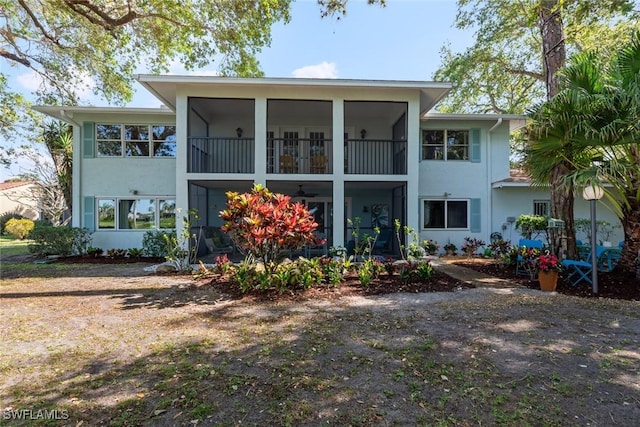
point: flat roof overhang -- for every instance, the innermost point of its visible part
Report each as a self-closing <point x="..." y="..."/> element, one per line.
<point x="164" y="87"/>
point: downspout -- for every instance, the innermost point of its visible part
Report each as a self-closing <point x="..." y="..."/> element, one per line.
<point x="489" y="174"/>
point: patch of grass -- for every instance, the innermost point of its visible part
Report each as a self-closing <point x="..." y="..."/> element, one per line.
<point x="10" y="247"/>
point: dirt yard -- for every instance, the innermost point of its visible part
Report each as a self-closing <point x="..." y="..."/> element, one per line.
<point x="114" y="345"/>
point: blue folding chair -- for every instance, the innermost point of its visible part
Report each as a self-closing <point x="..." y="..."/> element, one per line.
<point x="521" y="270"/>
<point x="580" y="271"/>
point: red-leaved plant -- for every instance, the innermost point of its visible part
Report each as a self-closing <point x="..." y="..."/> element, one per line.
<point x="263" y="224"/>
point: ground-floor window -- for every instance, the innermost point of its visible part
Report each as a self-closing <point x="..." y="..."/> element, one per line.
<point x="445" y="214"/>
<point x="136" y="214"/>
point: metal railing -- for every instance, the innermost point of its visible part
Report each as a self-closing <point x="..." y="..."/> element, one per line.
<point x="221" y="155"/>
<point x="375" y="157"/>
<point x="299" y="155"/>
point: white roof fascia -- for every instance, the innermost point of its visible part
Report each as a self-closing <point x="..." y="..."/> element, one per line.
<point x="516" y="121"/>
<point x="292" y="81"/>
<point x="148" y="81"/>
<point x="66" y="113"/>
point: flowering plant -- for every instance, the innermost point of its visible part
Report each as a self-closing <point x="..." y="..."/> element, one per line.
<point x="528" y="260"/>
<point x="549" y="262"/>
<point x="430" y="246"/>
<point x="471" y="245"/>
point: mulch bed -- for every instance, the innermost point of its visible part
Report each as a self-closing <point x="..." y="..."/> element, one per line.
<point x="615" y="284"/>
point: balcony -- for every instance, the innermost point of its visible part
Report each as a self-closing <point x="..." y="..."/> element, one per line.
<point x="299" y="155"/>
<point x="375" y="157"/>
<point x="221" y="155"/>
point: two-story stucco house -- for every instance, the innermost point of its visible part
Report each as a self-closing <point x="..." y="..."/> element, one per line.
<point x="346" y="148"/>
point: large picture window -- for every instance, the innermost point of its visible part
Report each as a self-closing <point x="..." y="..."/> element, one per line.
<point x="445" y="145"/>
<point x="136" y="214"/>
<point x="135" y="140"/>
<point x="445" y="214"/>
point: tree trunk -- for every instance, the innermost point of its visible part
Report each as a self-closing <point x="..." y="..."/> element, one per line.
<point x="562" y="201"/>
<point x="554" y="58"/>
<point x="631" y="227"/>
<point x="553" y="48"/>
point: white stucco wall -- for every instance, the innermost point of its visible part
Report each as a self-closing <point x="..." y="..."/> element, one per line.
<point x="514" y="201"/>
<point x="120" y="177"/>
<point x="464" y="180"/>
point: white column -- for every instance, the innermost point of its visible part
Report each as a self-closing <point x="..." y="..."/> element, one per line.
<point x="182" y="184"/>
<point x="260" y="126"/>
<point x="413" y="163"/>
<point x="338" y="173"/>
<point x="76" y="170"/>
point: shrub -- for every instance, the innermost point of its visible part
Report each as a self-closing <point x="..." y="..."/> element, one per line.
<point x="471" y="245"/>
<point x="423" y="271"/>
<point x="116" y="253"/>
<point x="264" y="224"/>
<point x="19" y="228"/>
<point x="50" y="240"/>
<point x="332" y="269"/>
<point x="134" y="252"/>
<point x="5" y="217"/>
<point x="499" y="248"/>
<point x="154" y="243"/>
<point x="531" y="226"/>
<point x="95" y="252"/>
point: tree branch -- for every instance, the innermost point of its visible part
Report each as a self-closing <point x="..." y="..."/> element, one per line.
<point x="90" y="11"/>
<point x="533" y="74"/>
<point x="37" y="23"/>
<point x="14" y="57"/>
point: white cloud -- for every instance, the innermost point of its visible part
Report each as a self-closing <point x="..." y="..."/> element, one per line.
<point x="323" y="70"/>
<point x="30" y="81"/>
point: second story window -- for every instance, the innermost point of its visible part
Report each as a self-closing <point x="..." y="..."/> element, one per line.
<point x="445" y="145"/>
<point x="130" y="140"/>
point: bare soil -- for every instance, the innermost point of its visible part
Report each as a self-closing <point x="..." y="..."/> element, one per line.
<point x="115" y="345"/>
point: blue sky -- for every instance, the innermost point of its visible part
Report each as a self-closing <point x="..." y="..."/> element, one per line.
<point x="398" y="42"/>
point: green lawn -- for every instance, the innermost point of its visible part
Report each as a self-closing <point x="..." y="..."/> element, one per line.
<point x="11" y="247"/>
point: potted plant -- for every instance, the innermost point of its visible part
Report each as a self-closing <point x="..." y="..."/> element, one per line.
<point x="548" y="268"/>
<point x="450" y="249"/>
<point x="430" y="246"/>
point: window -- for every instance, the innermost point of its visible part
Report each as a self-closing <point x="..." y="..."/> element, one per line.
<point x="135" y="140"/>
<point x="164" y="141"/>
<point x="445" y="214"/>
<point x="106" y="214"/>
<point x="541" y="207"/>
<point x="445" y="145"/>
<point x="136" y="214"/>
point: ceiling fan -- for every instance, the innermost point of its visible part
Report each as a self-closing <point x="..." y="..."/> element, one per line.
<point x="302" y="193"/>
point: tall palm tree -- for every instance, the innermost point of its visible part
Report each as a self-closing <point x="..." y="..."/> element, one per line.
<point x="557" y="133"/>
<point x="592" y="128"/>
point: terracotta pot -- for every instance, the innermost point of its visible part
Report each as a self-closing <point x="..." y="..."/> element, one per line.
<point x="548" y="280"/>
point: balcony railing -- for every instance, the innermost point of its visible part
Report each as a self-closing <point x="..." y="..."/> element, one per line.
<point x="296" y="156"/>
<point x="299" y="155"/>
<point x="375" y="157"/>
<point x="221" y="155"/>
